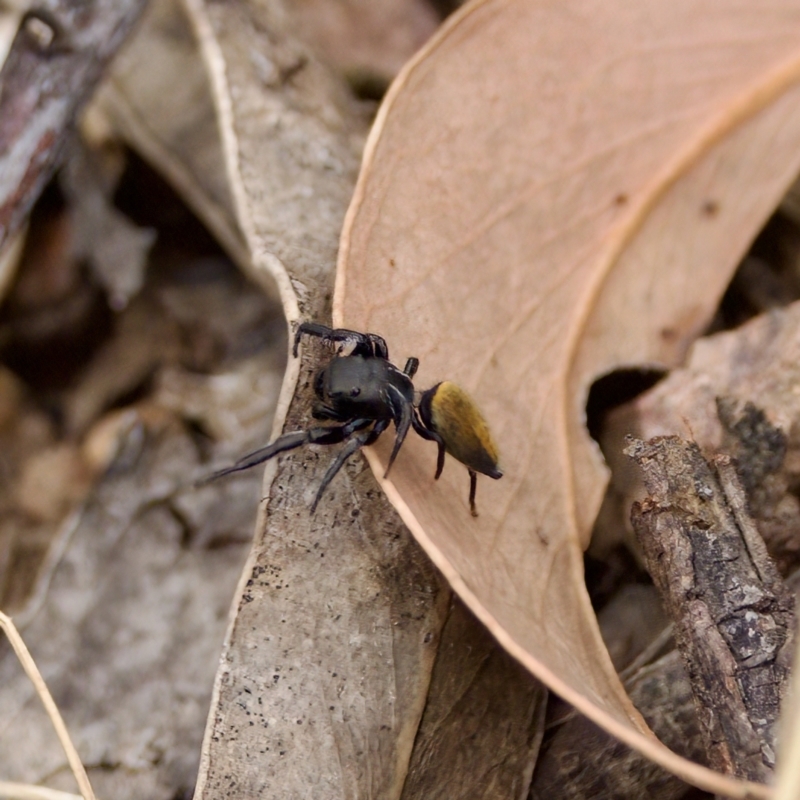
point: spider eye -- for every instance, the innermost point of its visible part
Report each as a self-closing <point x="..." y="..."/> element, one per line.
<point x="355" y="392"/>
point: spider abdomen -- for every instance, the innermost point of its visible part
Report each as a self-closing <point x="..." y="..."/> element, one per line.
<point x="450" y="412"/>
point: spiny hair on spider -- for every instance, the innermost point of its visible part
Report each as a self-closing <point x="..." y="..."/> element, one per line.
<point x="362" y="391"/>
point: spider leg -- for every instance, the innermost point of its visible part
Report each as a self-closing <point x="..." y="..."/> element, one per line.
<point x="377" y="344"/>
<point x="403" y="418"/>
<point x="439" y="460"/>
<point x="354" y="444"/>
<point x="473" y="485"/>
<point x="290" y="441"/>
<point x="411" y="367"/>
<point x="351" y="342"/>
<point x="431" y="436"/>
<point x="311" y="329"/>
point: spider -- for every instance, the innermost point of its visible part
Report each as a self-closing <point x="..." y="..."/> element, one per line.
<point x="362" y="390"/>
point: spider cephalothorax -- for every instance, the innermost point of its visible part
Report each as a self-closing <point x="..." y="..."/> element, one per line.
<point x="363" y="391"/>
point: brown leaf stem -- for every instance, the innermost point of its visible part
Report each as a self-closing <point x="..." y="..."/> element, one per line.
<point x="56" y="60"/>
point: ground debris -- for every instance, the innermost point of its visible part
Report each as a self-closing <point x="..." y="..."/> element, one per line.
<point x="733" y="617"/>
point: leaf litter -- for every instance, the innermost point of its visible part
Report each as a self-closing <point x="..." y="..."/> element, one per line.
<point x="118" y="573"/>
<point x="630" y="190"/>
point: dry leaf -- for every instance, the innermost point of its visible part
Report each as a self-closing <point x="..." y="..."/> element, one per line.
<point x="552" y="191"/>
<point x="328" y="658"/>
<point x="115" y="248"/>
<point x="337" y="624"/>
<point x="171" y="123"/>
<point x="130" y="610"/>
<point x="365" y="36"/>
<point x="480" y="702"/>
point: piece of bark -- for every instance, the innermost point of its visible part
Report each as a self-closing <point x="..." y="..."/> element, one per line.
<point x="483" y="722"/>
<point x="707" y="401"/>
<point x="54" y="64"/>
<point x="579" y="760"/>
<point x="732" y="615"/>
<point x="766" y="460"/>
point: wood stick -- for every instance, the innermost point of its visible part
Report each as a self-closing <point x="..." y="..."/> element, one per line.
<point x="55" y="62"/>
<point x="733" y="616"/>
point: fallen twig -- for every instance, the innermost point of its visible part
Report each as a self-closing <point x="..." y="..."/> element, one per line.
<point x="54" y="64"/>
<point x="732" y="614"/>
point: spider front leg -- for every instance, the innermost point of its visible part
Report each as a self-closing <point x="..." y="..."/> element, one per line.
<point x="351" y="343"/>
<point x="354" y="444"/>
<point x="290" y="441"/>
<point x="403" y="414"/>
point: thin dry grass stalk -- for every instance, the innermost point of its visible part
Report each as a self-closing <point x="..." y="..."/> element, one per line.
<point x="26" y="791"/>
<point x="32" y="671"/>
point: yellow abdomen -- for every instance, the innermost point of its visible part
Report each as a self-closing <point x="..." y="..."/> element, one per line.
<point x="466" y="436"/>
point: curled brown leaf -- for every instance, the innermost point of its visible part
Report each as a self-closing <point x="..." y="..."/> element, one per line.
<point x="553" y="191"/>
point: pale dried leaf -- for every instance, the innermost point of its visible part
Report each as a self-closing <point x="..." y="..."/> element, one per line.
<point x="366" y="36"/>
<point x="483" y="724"/>
<point x="552" y="191"/>
<point x="328" y="657"/>
<point x="171" y="123"/>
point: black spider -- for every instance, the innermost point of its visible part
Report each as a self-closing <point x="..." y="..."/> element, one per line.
<point x="361" y="389"/>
